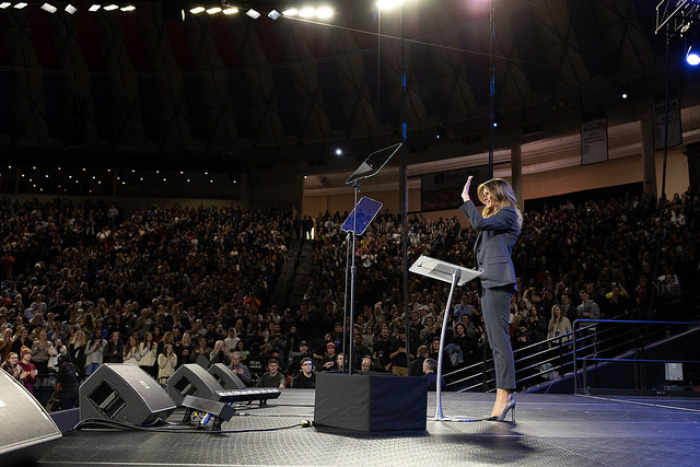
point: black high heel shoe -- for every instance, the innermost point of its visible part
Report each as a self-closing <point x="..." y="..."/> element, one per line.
<point x="499" y="418"/>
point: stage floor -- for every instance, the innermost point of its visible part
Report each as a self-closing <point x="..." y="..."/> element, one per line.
<point x="548" y="430"/>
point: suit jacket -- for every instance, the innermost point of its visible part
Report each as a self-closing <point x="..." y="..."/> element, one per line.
<point x="494" y="244"/>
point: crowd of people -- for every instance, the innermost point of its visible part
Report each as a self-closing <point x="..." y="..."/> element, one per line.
<point x="166" y="286"/>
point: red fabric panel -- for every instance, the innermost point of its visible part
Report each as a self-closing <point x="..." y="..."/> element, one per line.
<point x="131" y="27"/>
<point x="41" y="37"/>
<point x="87" y="38"/>
<point x="268" y="41"/>
<point x="317" y="40"/>
<point x="177" y="38"/>
<point x="220" y="27"/>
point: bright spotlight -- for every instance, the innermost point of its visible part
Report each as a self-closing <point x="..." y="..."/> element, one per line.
<point x="49" y="7"/>
<point x="291" y="12"/>
<point x="70" y="9"/>
<point x="128" y="8"/>
<point x="387" y="5"/>
<point x="273" y="15"/>
<point x="252" y="14"/>
<point x="307" y="12"/>
<point x="324" y="12"/>
<point x="94" y="7"/>
<point x="5" y="5"/>
<point x="196" y="10"/>
<point x="624" y="95"/>
<point x="20" y="5"/>
<point x="214" y="10"/>
<point x="692" y="56"/>
<point x="111" y="7"/>
<point x="230" y="10"/>
<point x="338" y="152"/>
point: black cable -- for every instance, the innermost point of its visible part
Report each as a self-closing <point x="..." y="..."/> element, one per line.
<point x="125" y="426"/>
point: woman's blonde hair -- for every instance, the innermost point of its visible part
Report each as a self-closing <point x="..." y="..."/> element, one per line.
<point x="501" y="195"/>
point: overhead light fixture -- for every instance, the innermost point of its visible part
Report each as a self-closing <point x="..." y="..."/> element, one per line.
<point x="324" y="12"/>
<point x="386" y="5"/>
<point x="70" y="9"/>
<point x="692" y="56"/>
<point x="49" y="7"/>
<point x="196" y="10"/>
<point x="128" y="8"/>
<point x="111" y="7"/>
<point x="214" y="10"/>
<point x="94" y="7"/>
<point x="253" y="14"/>
<point x="5" y="5"/>
<point x="273" y="15"/>
<point x="20" y="5"/>
<point x="230" y="10"/>
<point x="307" y="12"/>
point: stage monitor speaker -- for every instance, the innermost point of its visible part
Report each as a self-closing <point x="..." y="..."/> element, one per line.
<point x="192" y="380"/>
<point x="226" y="377"/>
<point x="124" y="392"/>
<point x="371" y="403"/>
<point x="27" y="429"/>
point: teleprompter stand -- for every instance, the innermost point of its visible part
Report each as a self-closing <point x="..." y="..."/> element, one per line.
<point x="456" y="276"/>
<point x="359" y="220"/>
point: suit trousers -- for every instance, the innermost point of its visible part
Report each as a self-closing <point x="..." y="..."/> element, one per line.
<point x="495" y="304"/>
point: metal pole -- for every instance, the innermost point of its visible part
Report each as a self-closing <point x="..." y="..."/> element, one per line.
<point x="345" y="299"/>
<point x="404" y="192"/>
<point x="353" y="270"/>
<point x="438" y="386"/>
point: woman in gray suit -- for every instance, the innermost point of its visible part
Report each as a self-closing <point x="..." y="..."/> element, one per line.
<point x="498" y="225"/>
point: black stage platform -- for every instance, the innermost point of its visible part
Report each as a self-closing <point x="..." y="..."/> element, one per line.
<point x="549" y="430"/>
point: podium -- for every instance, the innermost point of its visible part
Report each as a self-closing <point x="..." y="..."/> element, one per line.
<point x="456" y="276"/>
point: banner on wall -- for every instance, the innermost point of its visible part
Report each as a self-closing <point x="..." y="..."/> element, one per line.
<point x="594" y="141"/>
<point x="443" y="190"/>
<point x="675" y="135"/>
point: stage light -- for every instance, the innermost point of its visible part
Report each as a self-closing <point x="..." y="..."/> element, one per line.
<point x="70" y="9"/>
<point x="128" y="8"/>
<point x="94" y="7"/>
<point x="110" y="7"/>
<point x="692" y="56"/>
<point x="273" y="15"/>
<point x="253" y="14"/>
<point x="307" y="12"/>
<point x="324" y="12"/>
<point x="20" y="5"/>
<point x="230" y="10"/>
<point x="196" y="10"/>
<point x="5" y="5"/>
<point x="338" y="152"/>
<point x="624" y="95"/>
<point x="49" y="7"/>
<point x="291" y="12"/>
<point x="388" y="5"/>
<point x="214" y="10"/>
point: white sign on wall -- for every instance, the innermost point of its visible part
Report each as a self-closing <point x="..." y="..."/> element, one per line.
<point x="594" y="141"/>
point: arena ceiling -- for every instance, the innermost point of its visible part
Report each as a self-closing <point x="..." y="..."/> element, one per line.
<point x="156" y="88"/>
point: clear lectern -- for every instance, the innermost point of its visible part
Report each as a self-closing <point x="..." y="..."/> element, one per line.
<point x="457" y="276"/>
